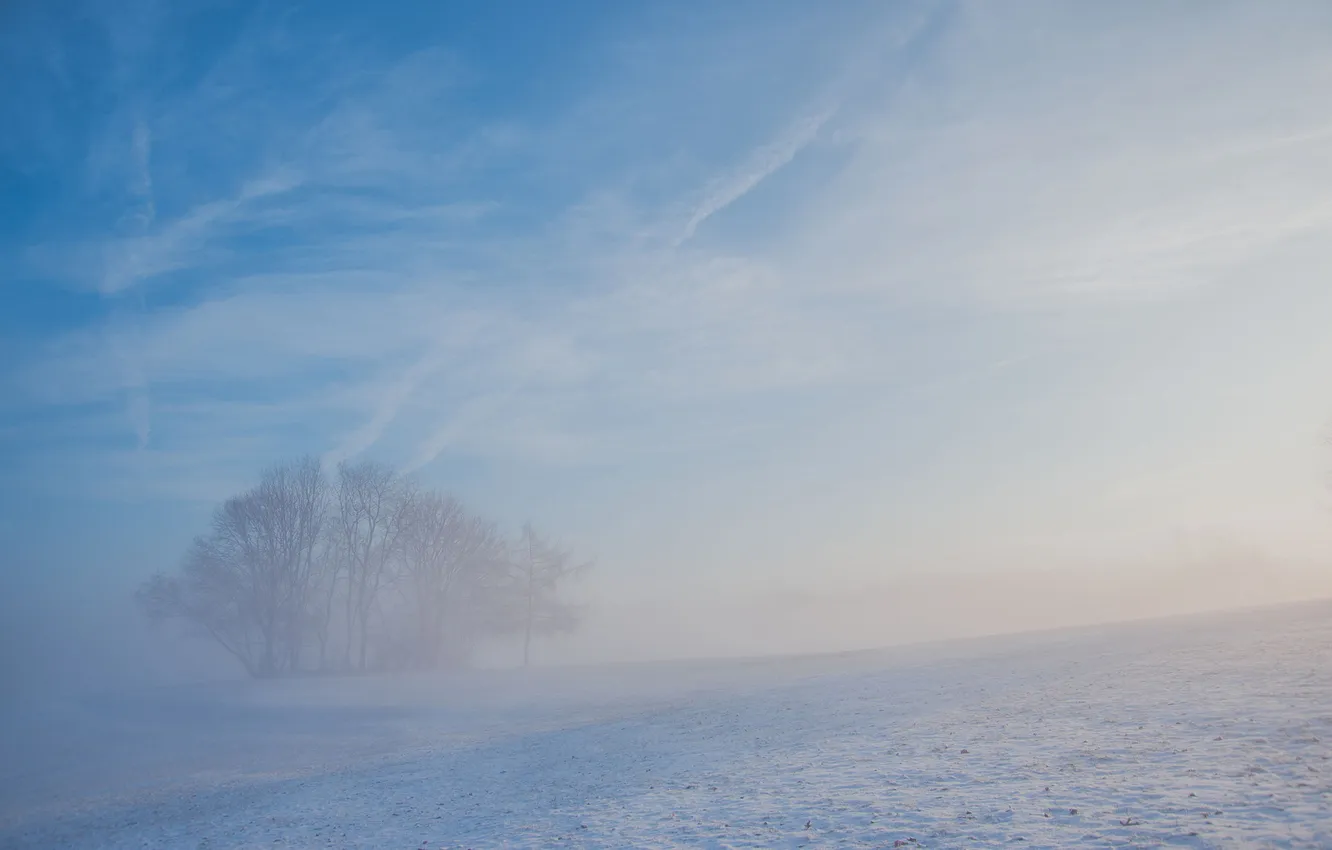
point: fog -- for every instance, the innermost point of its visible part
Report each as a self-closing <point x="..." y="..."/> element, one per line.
<point x="977" y="323"/>
<point x="63" y="643"/>
<point x="477" y="363"/>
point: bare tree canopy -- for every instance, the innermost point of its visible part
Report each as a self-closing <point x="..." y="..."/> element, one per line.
<point x="248" y="581"/>
<point x="393" y="575"/>
<point x="450" y="559"/>
<point x="372" y="506"/>
<point x="540" y="569"/>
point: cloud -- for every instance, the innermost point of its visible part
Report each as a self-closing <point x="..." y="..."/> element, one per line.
<point x="185" y="242"/>
<point x="1017" y="168"/>
<point x="393" y="395"/>
<point x="764" y="162"/>
<point x="392" y="260"/>
<point x="141" y="186"/>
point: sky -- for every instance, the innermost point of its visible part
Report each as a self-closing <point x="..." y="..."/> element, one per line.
<point x="743" y="300"/>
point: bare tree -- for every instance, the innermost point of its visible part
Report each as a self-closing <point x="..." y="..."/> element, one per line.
<point x="372" y="504"/>
<point x="447" y="556"/>
<point x="238" y="545"/>
<point x="329" y="576"/>
<point x="248" y="582"/>
<point x="281" y="558"/>
<point x="210" y="594"/>
<point x="291" y="506"/>
<point x="540" y="568"/>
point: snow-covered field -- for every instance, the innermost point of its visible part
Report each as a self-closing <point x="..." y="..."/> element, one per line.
<point x="1208" y="732"/>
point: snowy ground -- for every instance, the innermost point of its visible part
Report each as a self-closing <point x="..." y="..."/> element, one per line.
<point x="1209" y="732"/>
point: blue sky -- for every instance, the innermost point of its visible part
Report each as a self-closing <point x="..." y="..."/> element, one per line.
<point x="794" y="293"/>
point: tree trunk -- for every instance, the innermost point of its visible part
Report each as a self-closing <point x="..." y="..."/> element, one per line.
<point x="351" y="630"/>
<point x="365" y="617"/>
<point x="531" y="577"/>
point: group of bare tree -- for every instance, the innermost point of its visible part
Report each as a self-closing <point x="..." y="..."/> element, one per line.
<point x="364" y="571"/>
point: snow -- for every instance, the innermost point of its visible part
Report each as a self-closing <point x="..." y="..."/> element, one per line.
<point x="1207" y="732"/>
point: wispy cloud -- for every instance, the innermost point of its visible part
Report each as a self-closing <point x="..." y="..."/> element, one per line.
<point x="764" y="162"/>
<point x="410" y="252"/>
<point x="392" y="396"/>
<point x="141" y="186"/>
<point x="185" y="242"/>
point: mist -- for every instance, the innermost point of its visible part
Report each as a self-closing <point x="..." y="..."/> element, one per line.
<point x="474" y="391"/>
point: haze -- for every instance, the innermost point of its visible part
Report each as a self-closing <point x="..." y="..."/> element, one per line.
<point x="817" y="327"/>
<point x="925" y="385"/>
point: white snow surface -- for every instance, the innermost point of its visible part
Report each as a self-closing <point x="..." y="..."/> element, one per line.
<point x="1206" y="732"/>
